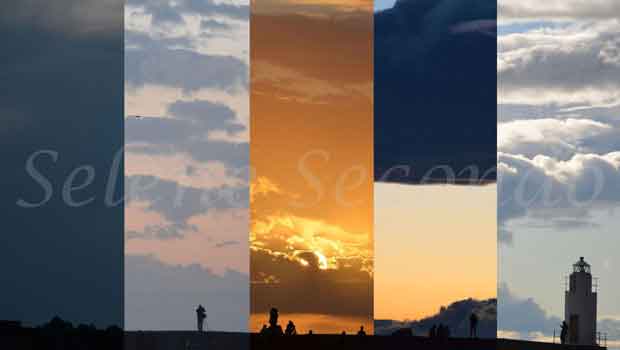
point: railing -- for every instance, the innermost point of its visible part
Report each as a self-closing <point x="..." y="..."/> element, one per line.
<point x="601" y="339"/>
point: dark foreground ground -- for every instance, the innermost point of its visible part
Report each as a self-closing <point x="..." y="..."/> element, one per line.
<point x="36" y="339"/>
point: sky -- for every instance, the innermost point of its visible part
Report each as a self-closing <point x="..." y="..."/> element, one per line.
<point x="186" y="164"/>
<point x="435" y="244"/>
<point x="558" y="66"/>
<point x="311" y="155"/>
<point x="383" y="4"/>
<point x="62" y="95"/>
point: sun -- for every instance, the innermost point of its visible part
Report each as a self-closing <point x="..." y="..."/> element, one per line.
<point x="323" y="265"/>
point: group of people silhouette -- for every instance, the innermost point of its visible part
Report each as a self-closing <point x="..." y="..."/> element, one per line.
<point x="440" y="331"/>
<point x="473" y="325"/>
<point x="274" y="329"/>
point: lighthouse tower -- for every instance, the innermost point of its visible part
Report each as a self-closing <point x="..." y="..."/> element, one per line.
<point x="580" y="306"/>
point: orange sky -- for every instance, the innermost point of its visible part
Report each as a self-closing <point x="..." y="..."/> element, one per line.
<point x="311" y="151"/>
<point x="434" y="245"/>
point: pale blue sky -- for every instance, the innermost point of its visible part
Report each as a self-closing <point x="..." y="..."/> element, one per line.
<point x="383" y="4"/>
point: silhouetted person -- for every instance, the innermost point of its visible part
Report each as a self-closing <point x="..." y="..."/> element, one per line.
<point x="263" y="330"/>
<point x="433" y="332"/>
<point x="290" y="328"/>
<point x="201" y="314"/>
<point x="361" y="332"/>
<point x="274" y="327"/>
<point x="443" y="332"/>
<point x="473" y="325"/>
<point x="343" y="333"/>
<point x="310" y="332"/>
<point x="563" y="332"/>
<point x="273" y="316"/>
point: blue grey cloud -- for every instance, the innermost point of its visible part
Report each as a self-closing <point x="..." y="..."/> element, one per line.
<point x="159" y="296"/>
<point x="183" y="69"/>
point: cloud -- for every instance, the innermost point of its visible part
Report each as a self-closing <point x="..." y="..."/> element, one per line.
<point x="167" y="10"/>
<point x="178" y="203"/>
<point x="183" y="69"/>
<point x="573" y="64"/>
<point x="557" y="10"/>
<point x="292" y="254"/>
<point x="154" y="289"/>
<point x="212" y="24"/>
<point x="560" y="139"/>
<point x="445" y="122"/>
<point x="69" y="17"/>
<point x="548" y="188"/>
<point x="331" y="244"/>
<point x="558" y="133"/>
<point x="524" y="318"/>
<point x="156" y="231"/>
<point x="63" y="72"/>
<point x="226" y="244"/>
<point x="187" y="130"/>
<point x="523" y="315"/>
<point x="293" y="287"/>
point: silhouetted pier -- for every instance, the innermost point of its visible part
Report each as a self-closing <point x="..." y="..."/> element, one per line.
<point x="35" y="339"/>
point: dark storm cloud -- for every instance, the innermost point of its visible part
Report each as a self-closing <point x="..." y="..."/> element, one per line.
<point x="64" y="92"/>
<point x="435" y="88"/>
<point x="163" y="297"/>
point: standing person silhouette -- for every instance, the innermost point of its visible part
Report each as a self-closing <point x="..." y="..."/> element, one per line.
<point x="473" y="325"/>
<point x="361" y="332"/>
<point x="563" y="332"/>
<point x="201" y="315"/>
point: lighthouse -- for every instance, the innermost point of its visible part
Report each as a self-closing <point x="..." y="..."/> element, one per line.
<point x="580" y="306"/>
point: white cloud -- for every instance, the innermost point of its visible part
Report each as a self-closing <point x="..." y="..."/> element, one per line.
<point x="574" y="64"/>
<point x="550" y="188"/>
<point x="556" y="138"/>
<point x="557" y="9"/>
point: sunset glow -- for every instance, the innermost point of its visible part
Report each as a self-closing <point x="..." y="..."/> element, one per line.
<point x="311" y="149"/>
